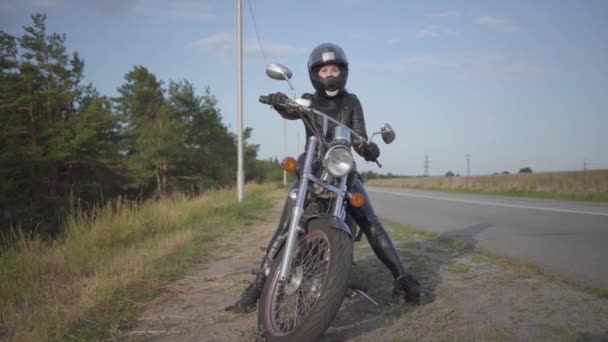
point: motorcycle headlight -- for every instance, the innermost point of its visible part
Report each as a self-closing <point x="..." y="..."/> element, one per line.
<point x="338" y="160"/>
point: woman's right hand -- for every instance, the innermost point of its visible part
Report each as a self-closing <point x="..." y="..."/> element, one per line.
<point x="277" y="99"/>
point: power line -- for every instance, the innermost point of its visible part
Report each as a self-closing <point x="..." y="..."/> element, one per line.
<point x="255" y="27"/>
<point x="259" y="40"/>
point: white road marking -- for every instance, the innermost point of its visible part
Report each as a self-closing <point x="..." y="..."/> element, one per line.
<point x="490" y="204"/>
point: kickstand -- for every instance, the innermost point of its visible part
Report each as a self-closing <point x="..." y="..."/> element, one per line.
<point x="362" y="292"/>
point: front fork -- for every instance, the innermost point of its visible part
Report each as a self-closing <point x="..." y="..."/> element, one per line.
<point x="297" y="211"/>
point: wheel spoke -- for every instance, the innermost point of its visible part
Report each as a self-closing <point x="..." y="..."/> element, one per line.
<point x="312" y="258"/>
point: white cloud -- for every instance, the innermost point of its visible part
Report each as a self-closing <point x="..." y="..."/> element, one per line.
<point x="158" y="10"/>
<point x="422" y="62"/>
<point x="520" y="69"/>
<point x="48" y="3"/>
<point x="495" y="23"/>
<point x="251" y="48"/>
<point x="433" y="31"/>
<point x="108" y="6"/>
<point x="225" y="44"/>
<point x="426" y="33"/>
<point x="466" y="64"/>
<point x="221" y="43"/>
<point x="393" y="40"/>
<point x="180" y="10"/>
<point x="491" y="65"/>
<point x="362" y="36"/>
<point x="446" y="14"/>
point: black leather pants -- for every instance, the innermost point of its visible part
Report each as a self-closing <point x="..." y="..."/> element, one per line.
<point x="366" y="219"/>
<point x="378" y="238"/>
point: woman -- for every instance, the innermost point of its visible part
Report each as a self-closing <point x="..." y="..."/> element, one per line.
<point x="328" y="71"/>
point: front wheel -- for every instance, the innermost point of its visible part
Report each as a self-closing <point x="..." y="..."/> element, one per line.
<point x="303" y="308"/>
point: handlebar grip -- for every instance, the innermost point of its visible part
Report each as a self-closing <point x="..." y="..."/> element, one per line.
<point x="265" y="99"/>
<point x="379" y="165"/>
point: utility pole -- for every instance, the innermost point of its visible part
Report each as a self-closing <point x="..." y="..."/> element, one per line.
<point x="240" y="174"/>
<point x="584" y="165"/>
<point x="426" y="164"/>
<point x="298" y="142"/>
<point x="468" y="156"/>
<point x="284" y="149"/>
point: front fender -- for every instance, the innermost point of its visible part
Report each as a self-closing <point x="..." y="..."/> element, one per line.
<point x="324" y="220"/>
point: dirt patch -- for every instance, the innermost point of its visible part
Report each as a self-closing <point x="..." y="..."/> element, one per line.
<point x="477" y="297"/>
<point x="193" y="308"/>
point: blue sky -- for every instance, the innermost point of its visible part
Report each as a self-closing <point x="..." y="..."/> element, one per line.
<point x="512" y="83"/>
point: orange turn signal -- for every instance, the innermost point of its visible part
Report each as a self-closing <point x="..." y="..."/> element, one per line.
<point x="289" y="164"/>
<point x="357" y="199"/>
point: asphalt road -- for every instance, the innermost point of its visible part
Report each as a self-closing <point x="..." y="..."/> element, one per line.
<point x="563" y="237"/>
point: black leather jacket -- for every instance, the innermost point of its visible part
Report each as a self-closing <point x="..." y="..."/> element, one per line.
<point x="345" y="108"/>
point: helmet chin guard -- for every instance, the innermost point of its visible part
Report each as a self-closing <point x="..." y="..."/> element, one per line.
<point x="331" y="93"/>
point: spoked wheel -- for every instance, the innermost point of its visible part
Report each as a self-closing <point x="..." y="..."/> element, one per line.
<point x="303" y="308"/>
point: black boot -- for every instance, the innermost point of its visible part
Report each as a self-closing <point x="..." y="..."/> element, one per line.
<point x="409" y="288"/>
<point x="250" y="296"/>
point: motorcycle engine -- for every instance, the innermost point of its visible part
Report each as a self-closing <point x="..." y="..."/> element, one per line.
<point x="316" y="207"/>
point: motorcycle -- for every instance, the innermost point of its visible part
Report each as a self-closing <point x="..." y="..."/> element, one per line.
<point x="310" y="273"/>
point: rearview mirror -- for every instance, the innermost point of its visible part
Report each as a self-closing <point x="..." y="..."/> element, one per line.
<point x="388" y="133"/>
<point x="278" y="72"/>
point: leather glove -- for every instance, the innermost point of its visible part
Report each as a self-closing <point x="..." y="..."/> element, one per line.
<point x="278" y="99"/>
<point x="371" y="152"/>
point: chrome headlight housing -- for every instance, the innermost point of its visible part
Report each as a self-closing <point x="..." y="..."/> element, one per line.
<point x="338" y="160"/>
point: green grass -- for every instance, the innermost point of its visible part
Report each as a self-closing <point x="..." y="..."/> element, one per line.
<point x="594" y="291"/>
<point x="457" y="268"/>
<point x="87" y="284"/>
<point x="559" y="333"/>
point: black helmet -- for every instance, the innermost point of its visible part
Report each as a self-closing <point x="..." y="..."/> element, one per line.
<point x="328" y="53"/>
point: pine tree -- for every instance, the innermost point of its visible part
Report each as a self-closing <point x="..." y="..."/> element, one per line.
<point x="62" y="140"/>
<point x="50" y="143"/>
<point x="209" y="149"/>
<point x="14" y="169"/>
<point x="153" y="135"/>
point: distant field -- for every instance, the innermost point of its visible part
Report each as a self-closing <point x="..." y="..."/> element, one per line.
<point x="589" y="185"/>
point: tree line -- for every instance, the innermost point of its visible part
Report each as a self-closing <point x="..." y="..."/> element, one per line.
<point x="63" y="144"/>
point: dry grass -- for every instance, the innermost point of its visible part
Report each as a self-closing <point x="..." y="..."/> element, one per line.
<point x="47" y="289"/>
<point x="578" y="185"/>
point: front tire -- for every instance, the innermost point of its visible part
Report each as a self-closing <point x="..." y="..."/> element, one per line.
<point x="303" y="308"/>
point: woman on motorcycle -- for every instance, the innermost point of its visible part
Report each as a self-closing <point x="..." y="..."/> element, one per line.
<point x="328" y="71"/>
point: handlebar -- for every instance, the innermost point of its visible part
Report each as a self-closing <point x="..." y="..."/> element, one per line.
<point x="266" y="100"/>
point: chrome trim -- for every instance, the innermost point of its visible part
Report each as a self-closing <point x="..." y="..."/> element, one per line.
<point x="339" y="211"/>
<point x="298" y="210"/>
<point x="293" y="194"/>
<point x="327" y="186"/>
